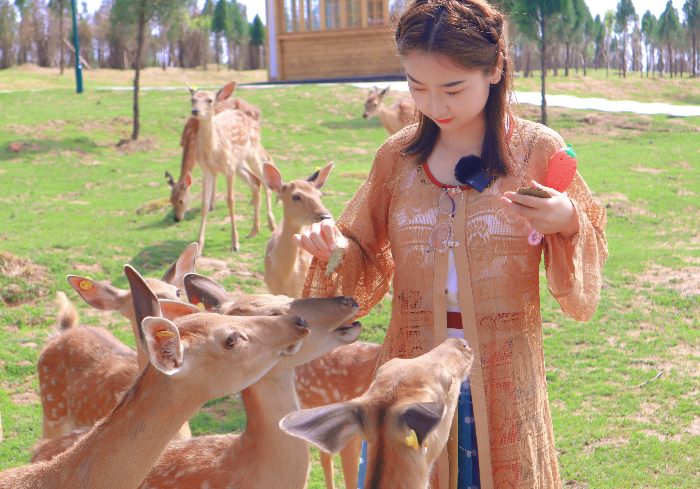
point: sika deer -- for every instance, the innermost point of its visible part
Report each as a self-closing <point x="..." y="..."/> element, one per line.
<point x="106" y="297"/>
<point x="286" y="265"/>
<point x="405" y="417"/>
<point x="180" y="190"/>
<point x="194" y="359"/>
<point x="262" y="456"/>
<point x="394" y="118"/>
<point x="228" y="143"/>
<point x="340" y="375"/>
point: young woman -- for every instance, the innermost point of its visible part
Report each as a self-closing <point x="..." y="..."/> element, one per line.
<point x="457" y="254"/>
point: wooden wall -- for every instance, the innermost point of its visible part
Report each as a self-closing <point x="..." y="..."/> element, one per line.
<point x="335" y="53"/>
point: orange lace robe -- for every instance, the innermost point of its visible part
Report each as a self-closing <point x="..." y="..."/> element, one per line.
<point x="387" y="224"/>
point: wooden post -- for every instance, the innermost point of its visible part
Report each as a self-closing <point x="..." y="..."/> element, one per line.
<point x="343" y="14"/>
<point x="322" y="11"/>
<point x="385" y="12"/>
<point x="363" y="12"/>
<point x="302" y="16"/>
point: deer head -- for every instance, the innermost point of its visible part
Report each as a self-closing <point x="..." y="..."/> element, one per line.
<point x="374" y="100"/>
<point x="301" y="199"/>
<point x="179" y="194"/>
<point x="203" y="101"/>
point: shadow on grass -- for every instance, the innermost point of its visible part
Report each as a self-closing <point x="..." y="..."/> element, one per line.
<point x="80" y="145"/>
<point x="158" y="256"/>
<point x="357" y="123"/>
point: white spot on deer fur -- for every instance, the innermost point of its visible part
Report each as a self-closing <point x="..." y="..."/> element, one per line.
<point x="54" y="381"/>
<point x="336" y="394"/>
<point x="62" y="405"/>
<point x="54" y="413"/>
<point x="46" y="369"/>
<point x="359" y="389"/>
<point x="49" y="397"/>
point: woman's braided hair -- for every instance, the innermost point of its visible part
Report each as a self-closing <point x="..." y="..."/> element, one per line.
<point x="471" y="34"/>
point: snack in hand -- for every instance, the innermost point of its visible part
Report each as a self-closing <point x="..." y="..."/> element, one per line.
<point x="334" y="260"/>
<point x="534" y="192"/>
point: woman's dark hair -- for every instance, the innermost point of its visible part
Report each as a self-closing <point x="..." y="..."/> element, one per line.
<point x="471" y="34"/>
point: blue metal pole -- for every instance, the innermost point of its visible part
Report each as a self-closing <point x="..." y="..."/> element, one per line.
<point x="76" y="44"/>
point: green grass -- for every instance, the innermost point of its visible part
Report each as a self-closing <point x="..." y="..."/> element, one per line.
<point x="69" y="204"/>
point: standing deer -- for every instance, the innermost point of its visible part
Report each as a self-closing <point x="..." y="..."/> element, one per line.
<point x="180" y="190"/>
<point x="405" y="417"/>
<point x="228" y="143"/>
<point x="286" y="264"/>
<point x="193" y="359"/>
<point x="340" y="375"/>
<point x="394" y="118"/>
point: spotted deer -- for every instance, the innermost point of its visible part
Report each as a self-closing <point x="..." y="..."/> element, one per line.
<point x="405" y="417"/>
<point x="339" y="375"/>
<point x="106" y="297"/>
<point x="180" y="189"/>
<point x="228" y="143"/>
<point x="286" y="264"/>
<point x="394" y="118"/>
<point x="192" y="360"/>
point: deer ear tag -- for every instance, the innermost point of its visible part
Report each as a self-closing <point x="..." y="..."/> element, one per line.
<point x="200" y="305"/>
<point x="86" y="284"/>
<point x="412" y="440"/>
<point x="165" y="334"/>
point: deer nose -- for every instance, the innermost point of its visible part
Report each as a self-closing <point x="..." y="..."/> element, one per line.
<point x="195" y="111"/>
<point x="348" y="301"/>
<point x="302" y="322"/>
<point x="364" y="116"/>
<point x="324" y="216"/>
<point x="177" y="219"/>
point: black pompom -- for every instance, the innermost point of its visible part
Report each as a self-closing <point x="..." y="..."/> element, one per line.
<point x="467" y="167"/>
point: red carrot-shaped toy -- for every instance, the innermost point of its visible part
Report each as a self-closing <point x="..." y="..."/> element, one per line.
<point x="560" y="173"/>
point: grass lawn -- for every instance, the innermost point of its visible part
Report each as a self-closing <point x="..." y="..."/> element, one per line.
<point x="71" y="202"/>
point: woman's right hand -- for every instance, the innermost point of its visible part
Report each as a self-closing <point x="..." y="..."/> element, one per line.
<point x="321" y="239"/>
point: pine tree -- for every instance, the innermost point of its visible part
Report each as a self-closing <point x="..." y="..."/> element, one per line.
<point x="623" y="17"/>
<point x="649" y="26"/>
<point x="219" y="26"/>
<point x="669" y="28"/>
<point x="691" y="9"/>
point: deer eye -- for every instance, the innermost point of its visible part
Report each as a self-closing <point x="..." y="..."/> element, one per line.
<point x="231" y="340"/>
<point x="208" y="100"/>
<point x="296" y="197"/>
<point x="177" y="293"/>
<point x="181" y="201"/>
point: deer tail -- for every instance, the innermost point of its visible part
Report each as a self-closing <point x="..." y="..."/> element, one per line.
<point x="67" y="313"/>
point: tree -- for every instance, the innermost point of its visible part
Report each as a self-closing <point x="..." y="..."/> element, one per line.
<point x="649" y="26"/>
<point x="59" y="7"/>
<point x="534" y="18"/>
<point x="219" y="26"/>
<point x="139" y="13"/>
<point x="669" y="28"/>
<point x="589" y="33"/>
<point x="624" y="16"/>
<point x="608" y="23"/>
<point x="599" y="40"/>
<point x="238" y="31"/>
<point x="257" y="39"/>
<point x="691" y="9"/>
<point x="8" y="26"/>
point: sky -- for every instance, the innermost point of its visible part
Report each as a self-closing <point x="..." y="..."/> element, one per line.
<point x="596" y="7"/>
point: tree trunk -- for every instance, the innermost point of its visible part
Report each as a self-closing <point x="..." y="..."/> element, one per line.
<point x="567" y="59"/>
<point x="583" y="55"/>
<point x="543" y="57"/>
<point x="60" y="33"/>
<point x="624" y="55"/>
<point x="139" y="48"/>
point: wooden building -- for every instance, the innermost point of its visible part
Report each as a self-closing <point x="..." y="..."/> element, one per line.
<point x="321" y="39"/>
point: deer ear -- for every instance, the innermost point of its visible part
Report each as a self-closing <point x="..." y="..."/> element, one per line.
<point x="163" y="345"/>
<point x="422" y="417"/>
<point x="145" y="301"/>
<point x="225" y="92"/>
<point x="188" y="179"/>
<point x="203" y="290"/>
<point x="182" y="266"/>
<point x="329" y="427"/>
<point x="175" y="309"/>
<point x="169" y="179"/>
<point x="272" y="178"/>
<point x="323" y="174"/>
<point x="99" y="295"/>
<point x="385" y="91"/>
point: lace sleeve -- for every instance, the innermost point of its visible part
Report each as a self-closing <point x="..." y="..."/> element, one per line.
<point x="368" y="266"/>
<point x="574" y="267"/>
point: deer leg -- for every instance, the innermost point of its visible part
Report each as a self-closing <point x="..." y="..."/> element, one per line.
<point x="270" y="217"/>
<point x="254" y="183"/>
<point x="207" y="188"/>
<point x="327" y="465"/>
<point x="231" y="201"/>
<point x="213" y="194"/>
<point x="350" y="461"/>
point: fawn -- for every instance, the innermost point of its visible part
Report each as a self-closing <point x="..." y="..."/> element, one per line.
<point x="286" y="264"/>
<point x="228" y="143"/>
<point x="405" y="417"/>
<point x="394" y="118"/>
<point x="193" y="359"/>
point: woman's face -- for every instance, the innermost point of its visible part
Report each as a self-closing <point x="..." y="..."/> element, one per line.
<point x="452" y="96"/>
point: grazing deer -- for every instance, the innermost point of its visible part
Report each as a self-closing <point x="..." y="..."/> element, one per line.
<point x="106" y="297"/>
<point x="193" y="359"/>
<point x="286" y="264"/>
<point x="228" y="143"/>
<point x="84" y="371"/>
<point x="340" y="375"/>
<point x="394" y="118"/>
<point x="180" y="190"/>
<point x="405" y="417"/>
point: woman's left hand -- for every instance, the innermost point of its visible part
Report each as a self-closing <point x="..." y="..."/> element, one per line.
<point x="547" y="216"/>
